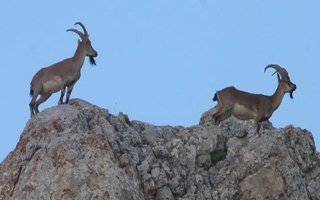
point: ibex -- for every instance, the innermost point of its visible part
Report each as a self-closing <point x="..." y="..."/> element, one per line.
<point x="245" y="106"/>
<point x="62" y="75"/>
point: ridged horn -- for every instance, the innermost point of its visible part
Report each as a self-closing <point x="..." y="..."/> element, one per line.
<point x="280" y="70"/>
<point x="82" y="36"/>
<point x="84" y="28"/>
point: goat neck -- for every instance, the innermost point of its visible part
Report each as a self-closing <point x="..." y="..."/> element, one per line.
<point x="79" y="55"/>
<point x="277" y="97"/>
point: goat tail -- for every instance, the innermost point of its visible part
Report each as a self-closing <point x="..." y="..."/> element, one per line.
<point x="31" y="92"/>
<point x="215" y="98"/>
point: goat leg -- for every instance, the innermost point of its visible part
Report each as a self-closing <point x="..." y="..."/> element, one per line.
<point x="62" y="95"/>
<point x="70" y="88"/>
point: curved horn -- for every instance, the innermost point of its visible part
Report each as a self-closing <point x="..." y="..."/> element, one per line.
<point x="282" y="71"/>
<point x="78" y="32"/>
<point x="82" y="26"/>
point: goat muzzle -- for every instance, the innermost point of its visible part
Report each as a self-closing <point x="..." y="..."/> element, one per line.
<point x="294" y="87"/>
<point x="92" y="60"/>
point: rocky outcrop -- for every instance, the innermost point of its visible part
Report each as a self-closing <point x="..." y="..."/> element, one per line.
<point x="81" y="151"/>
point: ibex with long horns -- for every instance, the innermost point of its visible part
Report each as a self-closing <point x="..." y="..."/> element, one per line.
<point x="62" y="75"/>
<point x="245" y="106"/>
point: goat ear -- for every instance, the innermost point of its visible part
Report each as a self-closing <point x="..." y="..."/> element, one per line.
<point x="278" y="77"/>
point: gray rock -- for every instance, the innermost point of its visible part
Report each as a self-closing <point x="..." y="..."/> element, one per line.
<point x="164" y="194"/>
<point x="81" y="151"/>
<point x="144" y="167"/>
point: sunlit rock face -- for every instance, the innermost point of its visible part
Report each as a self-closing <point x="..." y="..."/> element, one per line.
<point x="81" y="151"/>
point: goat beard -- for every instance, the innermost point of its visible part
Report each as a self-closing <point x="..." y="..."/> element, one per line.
<point x="291" y="94"/>
<point x="92" y="60"/>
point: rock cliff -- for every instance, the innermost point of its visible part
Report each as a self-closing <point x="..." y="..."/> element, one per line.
<point x="81" y="151"/>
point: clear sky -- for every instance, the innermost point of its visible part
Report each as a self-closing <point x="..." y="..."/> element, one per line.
<point x="161" y="61"/>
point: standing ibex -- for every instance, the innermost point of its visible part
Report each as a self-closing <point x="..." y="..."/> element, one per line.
<point x="62" y="75"/>
<point x="245" y="106"/>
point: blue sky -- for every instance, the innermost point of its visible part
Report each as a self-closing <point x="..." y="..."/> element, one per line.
<point x="162" y="61"/>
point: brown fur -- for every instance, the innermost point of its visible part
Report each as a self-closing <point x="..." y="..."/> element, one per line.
<point x="245" y="106"/>
<point x="61" y="76"/>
